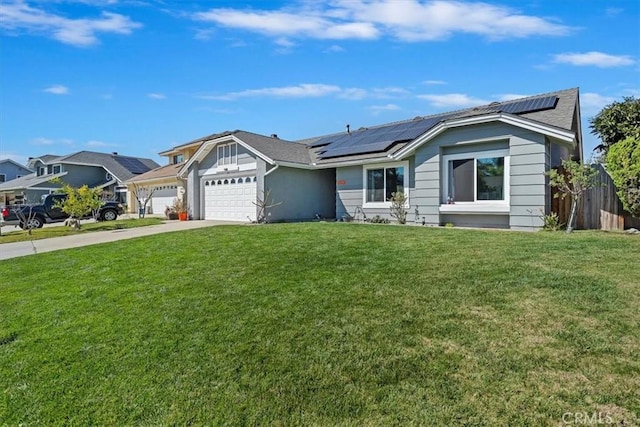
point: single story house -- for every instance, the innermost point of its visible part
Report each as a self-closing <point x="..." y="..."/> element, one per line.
<point x="479" y="167"/>
<point x="104" y="170"/>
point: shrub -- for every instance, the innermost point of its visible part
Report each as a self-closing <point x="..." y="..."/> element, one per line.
<point x="552" y="222"/>
<point x="398" y="209"/>
<point x="379" y="220"/>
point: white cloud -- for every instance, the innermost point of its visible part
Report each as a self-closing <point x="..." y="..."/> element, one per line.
<point x="98" y="144"/>
<point x="353" y="93"/>
<point x="510" y="96"/>
<point x="434" y="82"/>
<point x="48" y="141"/>
<point x="14" y="156"/>
<point x="306" y="90"/>
<point x="377" y="109"/>
<point x="596" y="59"/>
<point x="157" y="96"/>
<point x="57" y="90"/>
<point x="591" y="103"/>
<point x="17" y="17"/>
<point x="282" y="24"/>
<point x="334" y="49"/>
<point x="613" y="11"/>
<point x="453" y="100"/>
<point x="408" y="20"/>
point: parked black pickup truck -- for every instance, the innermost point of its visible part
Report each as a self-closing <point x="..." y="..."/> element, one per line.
<point x="48" y="211"/>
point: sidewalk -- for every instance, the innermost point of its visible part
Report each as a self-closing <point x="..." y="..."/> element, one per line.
<point x="18" y="249"/>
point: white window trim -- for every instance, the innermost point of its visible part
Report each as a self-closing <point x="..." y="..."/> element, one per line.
<point x="226" y="152"/>
<point x="405" y="183"/>
<point x="478" y="206"/>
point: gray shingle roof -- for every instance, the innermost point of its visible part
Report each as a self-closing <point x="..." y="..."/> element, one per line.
<point x="276" y="149"/>
<point x="108" y="161"/>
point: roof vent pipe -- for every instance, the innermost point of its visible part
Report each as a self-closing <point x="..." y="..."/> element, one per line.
<point x="274" y="135"/>
<point x="115" y="153"/>
<point x="348" y="129"/>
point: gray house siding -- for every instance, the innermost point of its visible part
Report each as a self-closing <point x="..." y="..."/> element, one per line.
<point x="78" y="175"/>
<point x="529" y="160"/>
<point x="302" y="193"/>
<point x="12" y="171"/>
<point x="350" y="193"/>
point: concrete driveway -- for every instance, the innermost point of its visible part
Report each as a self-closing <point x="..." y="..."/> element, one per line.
<point x="18" y="249"/>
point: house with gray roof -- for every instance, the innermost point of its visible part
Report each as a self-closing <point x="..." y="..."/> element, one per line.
<point x="103" y="170"/>
<point x="10" y="169"/>
<point x="478" y="167"/>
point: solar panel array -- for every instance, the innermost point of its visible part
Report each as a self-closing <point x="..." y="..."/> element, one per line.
<point x="529" y="105"/>
<point x="375" y="139"/>
<point x="133" y="165"/>
<point x="380" y="138"/>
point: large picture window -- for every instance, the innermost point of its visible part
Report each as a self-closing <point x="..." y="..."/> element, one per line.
<point x="476" y="177"/>
<point x="227" y="154"/>
<point x="382" y="181"/>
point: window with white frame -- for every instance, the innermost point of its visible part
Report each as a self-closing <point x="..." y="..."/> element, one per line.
<point x="481" y="177"/>
<point x="3" y="177"/>
<point x="177" y="158"/>
<point x="381" y="181"/>
<point x="227" y="154"/>
<point x="42" y="170"/>
<point x="57" y="168"/>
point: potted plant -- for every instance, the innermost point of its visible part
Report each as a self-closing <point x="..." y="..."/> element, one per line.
<point x="180" y="206"/>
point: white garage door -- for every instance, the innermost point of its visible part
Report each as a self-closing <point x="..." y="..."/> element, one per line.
<point x="159" y="204"/>
<point x="230" y="199"/>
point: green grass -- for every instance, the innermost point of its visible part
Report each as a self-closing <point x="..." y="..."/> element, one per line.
<point x="324" y="324"/>
<point x="48" y="232"/>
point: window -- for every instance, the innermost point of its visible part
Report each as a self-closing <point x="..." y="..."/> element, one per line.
<point x="381" y="181"/>
<point x="42" y="171"/>
<point x="57" y="169"/>
<point x="3" y="177"/>
<point x="481" y="177"/>
<point x="227" y="154"/>
<point x="178" y="158"/>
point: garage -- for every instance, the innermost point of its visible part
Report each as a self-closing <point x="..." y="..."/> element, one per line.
<point x="162" y="197"/>
<point x="230" y="199"/>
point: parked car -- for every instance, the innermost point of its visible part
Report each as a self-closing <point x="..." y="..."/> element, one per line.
<point x="49" y="211"/>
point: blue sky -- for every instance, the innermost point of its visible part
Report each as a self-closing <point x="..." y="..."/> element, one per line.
<point x="139" y="77"/>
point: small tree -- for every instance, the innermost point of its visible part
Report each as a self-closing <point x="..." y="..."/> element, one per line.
<point x="263" y="204"/>
<point x="398" y="209"/>
<point x="25" y="214"/>
<point x="623" y="164"/>
<point x="80" y="202"/>
<point x="143" y="196"/>
<point x="573" y="181"/>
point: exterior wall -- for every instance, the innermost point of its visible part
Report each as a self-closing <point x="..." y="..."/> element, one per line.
<point x="302" y="193"/>
<point x="529" y="190"/>
<point x="78" y="175"/>
<point x="194" y="199"/>
<point x="11" y="171"/>
<point x="476" y="221"/>
<point x="529" y="157"/>
<point x="350" y="194"/>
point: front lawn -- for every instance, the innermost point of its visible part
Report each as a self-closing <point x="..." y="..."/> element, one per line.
<point x="48" y="232"/>
<point x="324" y="324"/>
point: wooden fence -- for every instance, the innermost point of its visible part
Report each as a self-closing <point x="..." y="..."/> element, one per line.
<point x="599" y="209"/>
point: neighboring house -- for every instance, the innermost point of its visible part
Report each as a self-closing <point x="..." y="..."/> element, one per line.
<point x="10" y="170"/>
<point x="103" y="170"/>
<point x="163" y="181"/>
<point x="478" y="167"/>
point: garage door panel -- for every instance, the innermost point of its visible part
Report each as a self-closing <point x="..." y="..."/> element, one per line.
<point x="232" y="201"/>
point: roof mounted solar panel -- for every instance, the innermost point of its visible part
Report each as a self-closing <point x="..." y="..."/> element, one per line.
<point x="529" y="105"/>
<point x="360" y="149"/>
<point x="133" y="165"/>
